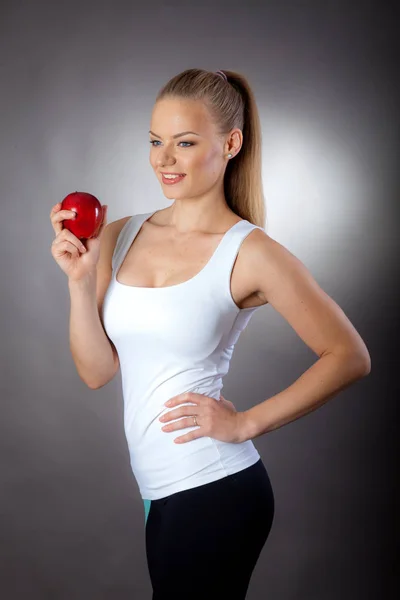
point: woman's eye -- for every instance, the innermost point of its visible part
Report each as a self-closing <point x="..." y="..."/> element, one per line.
<point x="152" y="142"/>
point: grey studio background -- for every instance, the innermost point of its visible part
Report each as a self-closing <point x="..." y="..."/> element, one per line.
<point x="78" y="84"/>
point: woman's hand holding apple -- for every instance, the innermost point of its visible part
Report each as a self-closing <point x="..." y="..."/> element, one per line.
<point x="76" y="260"/>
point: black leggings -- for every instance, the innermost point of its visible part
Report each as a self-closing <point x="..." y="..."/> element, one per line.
<point x="204" y="542"/>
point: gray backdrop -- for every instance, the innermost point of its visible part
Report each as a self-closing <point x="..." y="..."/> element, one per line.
<point x="78" y="84"/>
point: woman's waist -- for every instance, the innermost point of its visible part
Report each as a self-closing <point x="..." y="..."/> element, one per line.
<point x="143" y="408"/>
<point x="157" y="462"/>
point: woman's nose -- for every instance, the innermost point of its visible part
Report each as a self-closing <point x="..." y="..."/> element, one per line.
<point x="164" y="160"/>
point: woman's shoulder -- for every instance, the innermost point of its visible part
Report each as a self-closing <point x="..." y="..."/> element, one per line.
<point x="118" y="224"/>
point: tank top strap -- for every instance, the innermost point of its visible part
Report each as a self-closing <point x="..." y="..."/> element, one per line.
<point x="126" y="237"/>
<point x="225" y="256"/>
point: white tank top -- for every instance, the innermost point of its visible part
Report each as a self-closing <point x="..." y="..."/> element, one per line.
<point x="171" y="340"/>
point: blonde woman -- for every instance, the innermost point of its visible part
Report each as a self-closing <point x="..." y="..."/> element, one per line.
<point x="164" y="295"/>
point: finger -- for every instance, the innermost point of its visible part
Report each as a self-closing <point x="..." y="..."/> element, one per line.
<point x="100" y="228"/>
<point x="184" y="397"/>
<point x="176" y="413"/>
<point x="59" y="248"/>
<point x="104" y="220"/>
<point x="55" y="208"/>
<point x="193" y="435"/>
<point x="180" y="424"/>
<point x="58" y="215"/>
<point x="67" y="235"/>
<point x="171" y="415"/>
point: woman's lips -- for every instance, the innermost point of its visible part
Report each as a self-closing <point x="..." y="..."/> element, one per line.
<point x="172" y="181"/>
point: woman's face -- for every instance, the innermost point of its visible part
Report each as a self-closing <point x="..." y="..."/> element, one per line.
<point x="199" y="155"/>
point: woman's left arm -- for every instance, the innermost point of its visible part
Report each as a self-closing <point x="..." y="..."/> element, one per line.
<point x="283" y="280"/>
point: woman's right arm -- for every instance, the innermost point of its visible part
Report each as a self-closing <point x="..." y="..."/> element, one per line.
<point x="94" y="355"/>
<point x="89" y="275"/>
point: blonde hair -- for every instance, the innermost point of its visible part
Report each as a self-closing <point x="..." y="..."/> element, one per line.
<point x="231" y="104"/>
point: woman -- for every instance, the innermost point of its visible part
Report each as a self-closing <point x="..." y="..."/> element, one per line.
<point x="165" y="295"/>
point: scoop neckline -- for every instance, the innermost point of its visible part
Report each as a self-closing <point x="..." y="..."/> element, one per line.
<point x="176" y="285"/>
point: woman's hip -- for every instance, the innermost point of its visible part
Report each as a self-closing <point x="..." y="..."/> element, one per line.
<point x="213" y="529"/>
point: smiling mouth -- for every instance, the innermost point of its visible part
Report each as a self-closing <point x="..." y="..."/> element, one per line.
<point x="171" y="180"/>
<point x="172" y="175"/>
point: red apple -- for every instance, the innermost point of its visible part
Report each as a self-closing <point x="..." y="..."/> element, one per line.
<point x="89" y="214"/>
